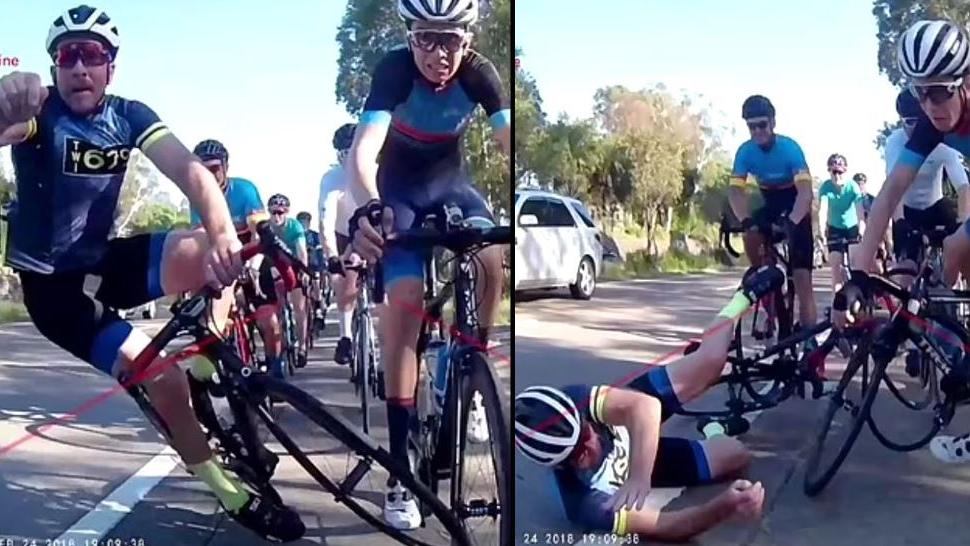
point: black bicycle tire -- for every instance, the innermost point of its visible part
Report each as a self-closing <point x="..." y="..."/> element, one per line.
<point x="932" y="393"/>
<point x="361" y="355"/>
<point x="813" y="484"/>
<point x="365" y="447"/>
<point x="482" y="377"/>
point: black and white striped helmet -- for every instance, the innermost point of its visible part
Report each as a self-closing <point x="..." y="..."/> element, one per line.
<point x="934" y="49"/>
<point x="459" y="12"/>
<point x="84" y="21"/>
<point x="547" y="425"/>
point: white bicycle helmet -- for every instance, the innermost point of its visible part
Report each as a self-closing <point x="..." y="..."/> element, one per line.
<point x="459" y="12"/>
<point x="933" y="49"/>
<point x="84" y="21"/>
<point x="547" y="425"/>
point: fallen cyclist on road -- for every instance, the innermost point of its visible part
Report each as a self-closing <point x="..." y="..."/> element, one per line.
<point x="71" y="144"/>
<point x="605" y="447"/>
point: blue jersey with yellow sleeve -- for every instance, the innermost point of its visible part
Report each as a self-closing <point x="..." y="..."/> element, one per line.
<point x="69" y="172"/>
<point x="775" y="168"/>
<point x="245" y="204"/>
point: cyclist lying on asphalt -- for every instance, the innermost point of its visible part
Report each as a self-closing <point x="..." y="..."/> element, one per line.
<point x="605" y="448"/>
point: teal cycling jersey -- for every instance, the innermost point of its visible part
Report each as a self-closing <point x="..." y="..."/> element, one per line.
<point x="291" y="233"/>
<point x="842" y="203"/>
<point x="778" y="167"/>
<point x="244" y="201"/>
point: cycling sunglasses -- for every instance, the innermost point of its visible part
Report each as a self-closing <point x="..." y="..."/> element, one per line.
<point x="938" y="93"/>
<point x="429" y="40"/>
<point x="910" y="122"/>
<point x="89" y="53"/>
<point x="215" y="168"/>
<point x="763" y="124"/>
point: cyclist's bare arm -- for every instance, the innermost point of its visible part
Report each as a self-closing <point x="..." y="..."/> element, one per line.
<point x="678" y="525"/>
<point x="328" y="221"/>
<point x="15" y="134"/>
<point x="176" y="162"/>
<point x="803" y="202"/>
<point x="640" y="414"/>
<point x="301" y="252"/>
<point x="362" y="160"/>
<point x="823" y="215"/>
<point x="738" y="199"/>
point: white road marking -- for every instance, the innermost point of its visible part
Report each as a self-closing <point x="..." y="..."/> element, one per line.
<point x="94" y="525"/>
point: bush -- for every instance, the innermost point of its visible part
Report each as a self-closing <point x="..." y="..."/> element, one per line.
<point x="641" y="264"/>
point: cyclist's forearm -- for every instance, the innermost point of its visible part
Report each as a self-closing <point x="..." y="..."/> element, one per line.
<point x="823" y="214"/>
<point x="738" y="199"/>
<point x="803" y="202"/>
<point x="362" y="167"/>
<point x="680" y="525"/>
<point x="301" y="254"/>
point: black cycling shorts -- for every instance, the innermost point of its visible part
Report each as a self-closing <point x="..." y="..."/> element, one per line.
<point x="778" y="203"/>
<point x="88" y="325"/>
<point x="833" y="233"/>
<point x="267" y="285"/>
<point x="907" y="236"/>
<point x="413" y="190"/>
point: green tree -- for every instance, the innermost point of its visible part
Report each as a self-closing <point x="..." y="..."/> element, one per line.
<point x="158" y="216"/>
<point x="893" y="17"/>
<point x="530" y="120"/>
<point x="140" y="184"/>
<point x="568" y="156"/>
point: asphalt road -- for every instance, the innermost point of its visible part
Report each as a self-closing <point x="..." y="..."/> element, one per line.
<point x="879" y="497"/>
<point x="105" y="477"/>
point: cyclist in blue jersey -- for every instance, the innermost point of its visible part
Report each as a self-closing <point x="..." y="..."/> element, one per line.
<point x="291" y="233"/>
<point x="777" y="165"/>
<point x="421" y="100"/>
<point x="606" y="450"/>
<point x="840" y="215"/>
<point x="315" y="261"/>
<point x="935" y="58"/>
<point x="70" y="147"/>
<point x="246" y="208"/>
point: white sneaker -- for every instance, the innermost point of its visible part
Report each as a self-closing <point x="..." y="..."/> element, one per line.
<point x="477" y="422"/>
<point x="400" y="509"/>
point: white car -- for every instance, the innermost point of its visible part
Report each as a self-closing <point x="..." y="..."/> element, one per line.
<point x="556" y="244"/>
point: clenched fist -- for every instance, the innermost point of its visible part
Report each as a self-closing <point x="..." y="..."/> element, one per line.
<point x="21" y="97"/>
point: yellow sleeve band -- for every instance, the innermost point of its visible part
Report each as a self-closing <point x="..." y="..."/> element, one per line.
<point x="739" y="182"/>
<point x="256" y="218"/>
<point x="621" y="521"/>
<point x="31" y="129"/>
<point x="803" y="176"/>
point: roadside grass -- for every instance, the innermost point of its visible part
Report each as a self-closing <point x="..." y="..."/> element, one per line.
<point x="13" y="312"/>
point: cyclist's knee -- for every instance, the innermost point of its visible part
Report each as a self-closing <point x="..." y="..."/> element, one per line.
<point x="182" y="259"/>
<point x="401" y="317"/>
<point x="726" y="456"/>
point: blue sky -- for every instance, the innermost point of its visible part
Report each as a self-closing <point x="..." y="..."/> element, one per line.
<point x="257" y="75"/>
<point x="815" y="60"/>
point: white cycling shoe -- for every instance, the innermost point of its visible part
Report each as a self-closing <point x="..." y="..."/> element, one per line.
<point x="477" y="421"/>
<point x="951" y="449"/>
<point x="400" y="509"/>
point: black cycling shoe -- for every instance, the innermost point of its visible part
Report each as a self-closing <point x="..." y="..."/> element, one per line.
<point x="301" y="359"/>
<point x="269" y="520"/>
<point x="344" y="352"/>
<point x="760" y="283"/>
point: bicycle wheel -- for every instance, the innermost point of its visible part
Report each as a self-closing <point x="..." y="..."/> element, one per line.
<point x="484" y="510"/>
<point x="364" y="458"/>
<point x="361" y="370"/>
<point x="855" y="394"/>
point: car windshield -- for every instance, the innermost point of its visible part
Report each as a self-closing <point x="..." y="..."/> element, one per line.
<point x="583" y="213"/>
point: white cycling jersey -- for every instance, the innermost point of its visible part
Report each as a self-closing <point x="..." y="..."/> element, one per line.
<point x="927" y="189"/>
<point x="336" y="205"/>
